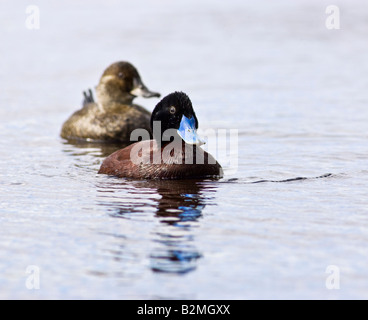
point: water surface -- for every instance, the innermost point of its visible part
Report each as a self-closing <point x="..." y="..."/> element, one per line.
<point x="294" y="202"/>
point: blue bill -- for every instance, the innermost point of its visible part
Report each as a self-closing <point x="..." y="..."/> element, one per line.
<point x="188" y="132"/>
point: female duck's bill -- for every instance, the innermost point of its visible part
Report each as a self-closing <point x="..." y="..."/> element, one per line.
<point x="174" y="153"/>
<point x="140" y="90"/>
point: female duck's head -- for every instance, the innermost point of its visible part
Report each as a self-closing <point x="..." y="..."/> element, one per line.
<point x="121" y="83"/>
<point x="174" y="118"/>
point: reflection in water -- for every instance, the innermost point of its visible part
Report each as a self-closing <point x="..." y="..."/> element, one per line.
<point x="80" y="147"/>
<point x="177" y="204"/>
<point x="180" y="207"/>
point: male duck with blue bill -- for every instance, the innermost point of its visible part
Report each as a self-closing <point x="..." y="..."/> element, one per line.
<point x="175" y="151"/>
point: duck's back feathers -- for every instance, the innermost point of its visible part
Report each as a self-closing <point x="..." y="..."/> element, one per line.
<point x="93" y="123"/>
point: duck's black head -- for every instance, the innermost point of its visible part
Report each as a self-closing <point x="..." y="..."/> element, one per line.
<point x="121" y="82"/>
<point x="175" y="112"/>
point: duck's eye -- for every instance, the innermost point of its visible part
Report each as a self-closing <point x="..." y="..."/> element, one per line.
<point x="172" y="109"/>
<point x="120" y="75"/>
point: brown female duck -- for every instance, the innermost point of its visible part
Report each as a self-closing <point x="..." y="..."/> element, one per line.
<point x="114" y="116"/>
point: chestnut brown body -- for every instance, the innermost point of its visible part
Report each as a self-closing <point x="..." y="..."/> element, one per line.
<point x="147" y="160"/>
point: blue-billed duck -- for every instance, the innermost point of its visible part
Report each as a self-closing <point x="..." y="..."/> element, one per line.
<point x="175" y="151"/>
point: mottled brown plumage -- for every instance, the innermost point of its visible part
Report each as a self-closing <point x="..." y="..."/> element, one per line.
<point x="113" y="117"/>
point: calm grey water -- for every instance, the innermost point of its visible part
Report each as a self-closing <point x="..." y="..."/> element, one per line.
<point x="295" y="91"/>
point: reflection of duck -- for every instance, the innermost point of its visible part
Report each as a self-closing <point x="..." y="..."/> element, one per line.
<point x="178" y="209"/>
<point x="180" y="206"/>
<point x="114" y="116"/>
<point x="98" y="149"/>
<point x="179" y="200"/>
<point x="162" y="158"/>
